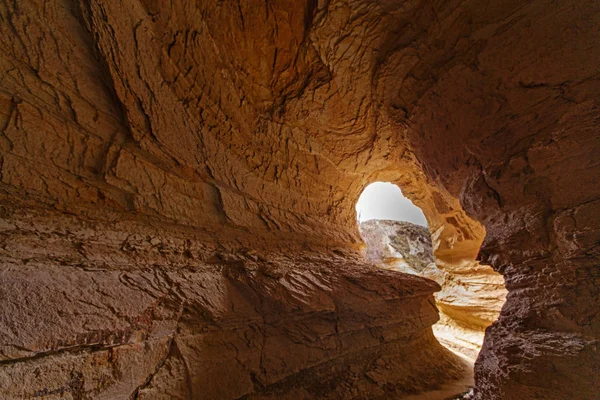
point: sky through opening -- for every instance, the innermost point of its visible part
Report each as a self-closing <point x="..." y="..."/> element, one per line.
<point x="384" y="200"/>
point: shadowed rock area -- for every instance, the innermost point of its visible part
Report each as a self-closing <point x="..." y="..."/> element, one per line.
<point x="471" y="296"/>
<point x="178" y="181"/>
<point x="129" y="310"/>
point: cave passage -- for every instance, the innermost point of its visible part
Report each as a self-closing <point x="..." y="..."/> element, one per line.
<point x="178" y="182"/>
<point x="396" y="237"/>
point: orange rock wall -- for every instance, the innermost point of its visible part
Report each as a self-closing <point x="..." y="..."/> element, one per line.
<point x="254" y="126"/>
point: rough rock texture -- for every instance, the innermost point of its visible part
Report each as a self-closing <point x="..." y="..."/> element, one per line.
<point x="472" y="294"/>
<point x="204" y="133"/>
<point x="92" y="310"/>
<point x="402" y="244"/>
<point x="470" y="300"/>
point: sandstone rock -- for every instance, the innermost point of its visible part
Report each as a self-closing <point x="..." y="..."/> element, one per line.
<point x="172" y="171"/>
<point x="397" y="242"/>
<point x="91" y="312"/>
<point x="472" y="294"/>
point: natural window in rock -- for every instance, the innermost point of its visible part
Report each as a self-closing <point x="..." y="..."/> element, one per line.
<point x="394" y="229"/>
<point x="397" y="237"/>
<point x="384" y="200"/>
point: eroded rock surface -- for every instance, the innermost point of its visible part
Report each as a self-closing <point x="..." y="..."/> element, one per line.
<point x="471" y="296"/>
<point x="403" y="244"/>
<point x="149" y="149"/>
<point x="93" y="310"/>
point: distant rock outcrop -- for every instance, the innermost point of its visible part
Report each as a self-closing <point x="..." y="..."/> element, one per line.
<point x="397" y="242"/>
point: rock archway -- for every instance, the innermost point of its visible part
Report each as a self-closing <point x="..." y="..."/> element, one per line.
<point x="177" y="183"/>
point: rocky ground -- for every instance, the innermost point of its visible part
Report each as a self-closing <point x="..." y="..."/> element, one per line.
<point x="131" y="310"/>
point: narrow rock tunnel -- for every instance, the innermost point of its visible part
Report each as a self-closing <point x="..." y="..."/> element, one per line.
<point x="177" y="188"/>
<point x="397" y="237"/>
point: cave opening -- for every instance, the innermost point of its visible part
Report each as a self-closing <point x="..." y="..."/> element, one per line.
<point x="385" y="201"/>
<point x="394" y="230"/>
<point x="431" y="243"/>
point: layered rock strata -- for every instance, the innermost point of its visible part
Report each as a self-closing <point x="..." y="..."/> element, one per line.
<point x="93" y="310"/>
<point x="402" y="244"/>
<point x="256" y="125"/>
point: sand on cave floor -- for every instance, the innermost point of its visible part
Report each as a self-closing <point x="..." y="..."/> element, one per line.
<point x="453" y="389"/>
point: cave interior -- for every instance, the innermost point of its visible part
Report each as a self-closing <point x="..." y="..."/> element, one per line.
<point x="178" y="182"/>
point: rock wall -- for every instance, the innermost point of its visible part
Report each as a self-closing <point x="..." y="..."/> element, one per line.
<point x="471" y="294"/>
<point x="510" y="127"/>
<point x="156" y="136"/>
<point x="130" y="310"/>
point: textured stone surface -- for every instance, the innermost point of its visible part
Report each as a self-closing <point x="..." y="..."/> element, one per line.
<point x="471" y="296"/>
<point x="403" y="244"/>
<point x="91" y="310"/>
<point x="178" y="138"/>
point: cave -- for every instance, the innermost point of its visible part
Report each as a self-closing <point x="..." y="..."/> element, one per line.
<point x="178" y="181"/>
